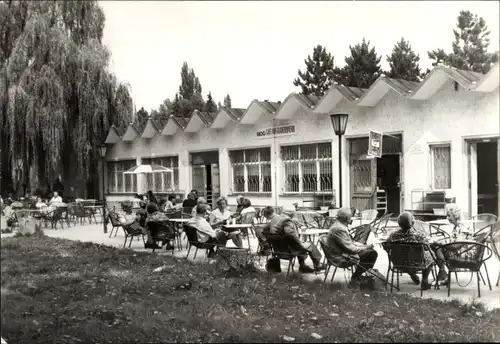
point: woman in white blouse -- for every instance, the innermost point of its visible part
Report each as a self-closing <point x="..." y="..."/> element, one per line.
<point x="220" y="214"/>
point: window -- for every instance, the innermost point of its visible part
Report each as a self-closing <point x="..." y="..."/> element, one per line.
<point x="307" y="168"/>
<point x="119" y="182"/>
<point x="164" y="181"/>
<point x="441" y="166"/>
<point x="251" y="170"/>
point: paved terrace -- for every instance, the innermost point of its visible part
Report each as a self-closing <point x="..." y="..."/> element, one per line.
<point x="491" y="299"/>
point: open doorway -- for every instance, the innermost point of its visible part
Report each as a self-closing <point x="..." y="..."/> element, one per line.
<point x="205" y="175"/>
<point x="388" y="174"/>
<point x="487" y="177"/>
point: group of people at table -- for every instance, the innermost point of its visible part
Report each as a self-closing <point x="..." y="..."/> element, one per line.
<point x="210" y="228"/>
<point x="8" y="206"/>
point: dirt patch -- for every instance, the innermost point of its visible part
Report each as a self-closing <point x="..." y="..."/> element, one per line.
<point x="119" y="273"/>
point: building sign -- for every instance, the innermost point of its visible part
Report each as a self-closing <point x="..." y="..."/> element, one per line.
<point x="375" y="144"/>
<point x="276" y="131"/>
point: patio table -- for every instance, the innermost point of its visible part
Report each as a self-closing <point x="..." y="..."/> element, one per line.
<point x="311" y="233"/>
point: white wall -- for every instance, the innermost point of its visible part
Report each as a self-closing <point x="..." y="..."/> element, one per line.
<point x="448" y="116"/>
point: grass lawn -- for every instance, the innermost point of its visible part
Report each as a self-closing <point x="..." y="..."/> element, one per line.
<point x="61" y="291"/>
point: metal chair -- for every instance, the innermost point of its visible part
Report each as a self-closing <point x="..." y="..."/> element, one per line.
<point x="335" y="259"/>
<point x="361" y="233"/>
<point x="192" y="237"/>
<point x="162" y="231"/>
<point x="369" y="215"/>
<point x="408" y="258"/>
<point x="284" y="248"/>
<point x="466" y="256"/>
<point x="379" y="225"/>
<point x="487" y="219"/>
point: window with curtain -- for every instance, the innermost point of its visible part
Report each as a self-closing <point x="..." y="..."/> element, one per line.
<point x="441" y="166"/>
<point x="118" y="182"/>
<point x="251" y="170"/>
<point x="307" y="168"/>
<point x="163" y="181"/>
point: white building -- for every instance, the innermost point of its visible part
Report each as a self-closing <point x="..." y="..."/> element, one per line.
<point x="444" y="137"/>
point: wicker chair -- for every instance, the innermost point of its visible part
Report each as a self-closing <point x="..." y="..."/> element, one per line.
<point x="192" y="237"/>
<point x="284" y="248"/>
<point x="369" y="215"/>
<point x="334" y="258"/>
<point x="133" y="230"/>
<point x="379" y="225"/>
<point x="487" y="219"/>
<point x="466" y="257"/>
<point x="407" y="258"/>
<point x="361" y="233"/>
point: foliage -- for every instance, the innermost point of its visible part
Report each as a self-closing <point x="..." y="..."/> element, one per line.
<point x="403" y="62"/>
<point x="56" y="290"/>
<point x="190" y="97"/>
<point x="362" y="67"/>
<point x="227" y="101"/>
<point x="210" y="105"/>
<point x="470" y="47"/>
<point x="317" y="78"/>
<point x="141" y="117"/>
<point x="54" y="74"/>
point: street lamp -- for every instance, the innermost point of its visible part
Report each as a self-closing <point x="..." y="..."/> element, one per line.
<point x="102" y="151"/>
<point x="339" y="122"/>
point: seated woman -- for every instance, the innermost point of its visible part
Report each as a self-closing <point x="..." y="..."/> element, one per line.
<point x="170" y="202"/>
<point x="408" y="234"/>
<point x="39" y="203"/>
<point x="455" y="216"/>
<point x="221" y="214"/>
<point x="189" y="203"/>
<point x="154" y="215"/>
<point x="207" y="234"/>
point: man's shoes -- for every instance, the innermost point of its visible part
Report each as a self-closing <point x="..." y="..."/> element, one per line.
<point x="415" y="278"/>
<point x="319" y="267"/>
<point x="304" y="269"/>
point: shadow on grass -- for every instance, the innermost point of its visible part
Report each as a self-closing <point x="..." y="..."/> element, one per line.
<point x="79" y="292"/>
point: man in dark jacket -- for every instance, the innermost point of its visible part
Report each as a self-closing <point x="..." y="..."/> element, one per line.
<point x="283" y="225"/>
<point x="340" y="241"/>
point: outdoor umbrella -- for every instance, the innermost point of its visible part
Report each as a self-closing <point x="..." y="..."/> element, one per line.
<point x="147" y="169"/>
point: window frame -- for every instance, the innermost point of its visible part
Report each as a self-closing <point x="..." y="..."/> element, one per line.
<point x="432" y="147"/>
<point x="245" y="164"/>
<point x="174" y="174"/>
<point x="317" y="161"/>
<point x="119" y="173"/>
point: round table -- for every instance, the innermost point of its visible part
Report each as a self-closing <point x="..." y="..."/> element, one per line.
<point x="311" y="233"/>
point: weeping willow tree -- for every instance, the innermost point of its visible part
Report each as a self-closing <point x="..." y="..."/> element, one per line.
<point x="57" y="95"/>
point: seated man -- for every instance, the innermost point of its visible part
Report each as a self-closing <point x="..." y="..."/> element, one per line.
<point x="283" y="225"/>
<point x="154" y="215"/>
<point x="408" y="234"/>
<point x="207" y="234"/>
<point x="55" y="199"/>
<point x="201" y="200"/>
<point x="340" y="240"/>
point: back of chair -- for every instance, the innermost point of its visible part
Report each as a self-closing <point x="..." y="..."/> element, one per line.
<point x="161" y="229"/>
<point x="361" y="233"/>
<point x="113" y="217"/>
<point x="191" y="233"/>
<point x="487" y="218"/>
<point x="406" y="257"/>
<point x="465" y="255"/>
<point x="381" y="223"/>
<point x="369" y="214"/>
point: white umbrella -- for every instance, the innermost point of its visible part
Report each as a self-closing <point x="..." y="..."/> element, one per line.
<point x="148" y="169"/>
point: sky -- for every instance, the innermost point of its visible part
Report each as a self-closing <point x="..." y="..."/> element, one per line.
<point x="252" y="50"/>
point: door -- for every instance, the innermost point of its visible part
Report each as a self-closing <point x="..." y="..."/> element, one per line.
<point x="473" y="178"/>
<point x="401" y="185"/>
<point x="199" y="180"/>
<point x="363" y="177"/>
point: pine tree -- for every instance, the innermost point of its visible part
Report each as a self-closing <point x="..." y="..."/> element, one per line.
<point x="141" y="117"/>
<point x="210" y="105"/>
<point x="176" y="106"/>
<point x="227" y="101"/>
<point x="362" y="67"/>
<point x="470" y="47"/>
<point x="404" y="62"/>
<point x="219" y="106"/>
<point x="317" y="78"/>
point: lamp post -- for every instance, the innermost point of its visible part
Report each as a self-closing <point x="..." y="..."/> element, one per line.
<point x="102" y="151"/>
<point x="339" y="122"/>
